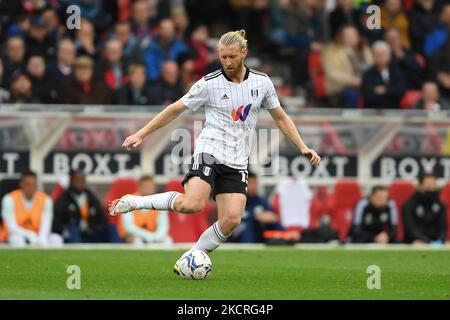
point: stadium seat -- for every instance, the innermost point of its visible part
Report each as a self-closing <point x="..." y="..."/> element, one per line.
<point x="410" y="98"/>
<point x="317" y="74"/>
<point x="186" y="227"/>
<point x="119" y="188"/>
<point x="342" y="202"/>
<point x="445" y="198"/>
<point x="400" y="191"/>
<point x="318" y="208"/>
<point x="58" y="189"/>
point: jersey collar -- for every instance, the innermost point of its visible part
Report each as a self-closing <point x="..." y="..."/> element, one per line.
<point x="247" y="72"/>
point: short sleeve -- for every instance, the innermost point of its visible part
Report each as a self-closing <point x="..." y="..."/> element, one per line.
<point x="197" y="95"/>
<point x="270" y="100"/>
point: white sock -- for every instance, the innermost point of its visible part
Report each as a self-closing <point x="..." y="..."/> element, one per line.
<point x="159" y="201"/>
<point x="210" y="239"/>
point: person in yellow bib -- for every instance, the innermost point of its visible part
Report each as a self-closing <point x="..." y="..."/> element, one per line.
<point x="28" y="214"/>
<point x="145" y="226"/>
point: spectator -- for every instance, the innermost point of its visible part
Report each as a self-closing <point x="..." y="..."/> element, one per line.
<point x="405" y="59"/>
<point x="81" y="89"/>
<point x="431" y="100"/>
<point x="424" y="214"/>
<point x="344" y="63"/>
<point x="19" y="27"/>
<point x="437" y="39"/>
<point x="38" y="39"/>
<point x="180" y="21"/>
<point x="168" y="88"/>
<point x="22" y="89"/>
<point x="258" y="216"/>
<point x="79" y="215"/>
<point x="42" y="87"/>
<point x="28" y="214"/>
<point x="439" y="69"/>
<point x="141" y="23"/>
<point x="111" y="71"/>
<point x="122" y="33"/>
<point x="203" y="56"/>
<point x="375" y="218"/>
<point x="342" y="15"/>
<point x="85" y="40"/>
<point x="303" y="33"/>
<point x="382" y="85"/>
<point x="423" y="19"/>
<point x="392" y="16"/>
<point x="14" y="59"/>
<point x="145" y="226"/>
<point x="60" y="71"/>
<point x="135" y="92"/>
<point x="163" y="47"/>
<point x="4" y="92"/>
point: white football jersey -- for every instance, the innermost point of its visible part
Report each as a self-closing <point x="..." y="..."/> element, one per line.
<point x="231" y="111"/>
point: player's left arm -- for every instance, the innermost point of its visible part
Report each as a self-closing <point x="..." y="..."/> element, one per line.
<point x="287" y="126"/>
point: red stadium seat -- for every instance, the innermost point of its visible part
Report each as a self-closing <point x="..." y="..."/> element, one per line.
<point x="119" y="188"/>
<point x="317" y="74"/>
<point x="445" y="198"/>
<point x="317" y="210"/>
<point x="186" y="227"/>
<point x="400" y="191"/>
<point x="342" y="202"/>
<point x="58" y="189"/>
<point x="410" y="98"/>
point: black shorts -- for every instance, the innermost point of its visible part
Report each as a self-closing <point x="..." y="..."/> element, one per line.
<point x="220" y="177"/>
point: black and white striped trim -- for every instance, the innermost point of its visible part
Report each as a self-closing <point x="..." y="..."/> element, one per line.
<point x="213" y="75"/>
<point x="217" y="232"/>
<point x="258" y="73"/>
<point x="172" y="200"/>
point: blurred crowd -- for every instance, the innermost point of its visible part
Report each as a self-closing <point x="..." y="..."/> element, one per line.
<point x="149" y="52"/>
<point x="400" y="213"/>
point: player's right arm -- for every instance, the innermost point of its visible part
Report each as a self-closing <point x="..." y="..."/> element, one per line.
<point x="194" y="99"/>
<point x="169" y="113"/>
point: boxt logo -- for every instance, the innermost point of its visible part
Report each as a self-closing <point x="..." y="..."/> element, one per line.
<point x="241" y="112"/>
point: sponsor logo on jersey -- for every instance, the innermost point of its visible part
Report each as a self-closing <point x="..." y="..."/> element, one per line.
<point x="241" y="112"/>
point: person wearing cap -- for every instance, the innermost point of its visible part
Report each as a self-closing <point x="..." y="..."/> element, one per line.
<point x="38" y="39"/>
<point x="81" y="89"/>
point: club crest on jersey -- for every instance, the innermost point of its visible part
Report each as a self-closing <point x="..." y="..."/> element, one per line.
<point x="241" y="112"/>
<point x="206" y="171"/>
<point x="254" y="93"/>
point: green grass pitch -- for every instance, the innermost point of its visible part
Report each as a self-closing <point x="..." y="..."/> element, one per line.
<point x="273" y="273"/>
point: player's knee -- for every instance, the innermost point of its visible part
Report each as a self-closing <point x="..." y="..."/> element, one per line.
<point x="191" y="206"/>
<point x="231" y="221"/>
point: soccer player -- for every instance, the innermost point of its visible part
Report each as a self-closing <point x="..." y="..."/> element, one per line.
<point x="232" y="97"/>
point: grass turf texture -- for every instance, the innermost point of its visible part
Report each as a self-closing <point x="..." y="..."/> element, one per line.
<point x="273" y="273"/>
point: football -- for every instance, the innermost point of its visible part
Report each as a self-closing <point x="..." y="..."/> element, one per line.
<point x="193" y="264"/>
